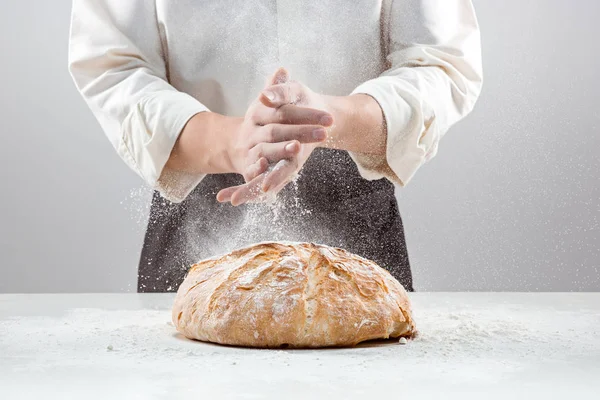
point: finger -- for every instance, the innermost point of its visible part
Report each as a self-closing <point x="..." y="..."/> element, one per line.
<point x="290" y="114"/>
<point x="243" y="193"/>
<point x="280" y="76"/>
<point x="224" y="195"/>
<point x="252" y="189"/>
<point x="279" y="95"/>
<point x="274" y="152"/>
<point x="249" y="191"/>
<point x="274" y="133"/>
<point x="283" y="173"/>
<point x="256" y="169"/>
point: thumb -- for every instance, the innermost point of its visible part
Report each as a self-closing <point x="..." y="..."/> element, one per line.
<point x="280" y="76"/>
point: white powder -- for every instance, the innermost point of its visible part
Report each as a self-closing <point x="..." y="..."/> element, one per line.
<point x="461" y="345"/>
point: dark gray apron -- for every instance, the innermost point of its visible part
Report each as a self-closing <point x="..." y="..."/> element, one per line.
<point x="328" y="204"/>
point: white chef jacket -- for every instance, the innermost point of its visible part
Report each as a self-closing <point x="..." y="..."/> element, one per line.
<point x="145" y="67"/>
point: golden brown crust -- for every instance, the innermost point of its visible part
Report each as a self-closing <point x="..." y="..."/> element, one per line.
<point x="291" y="294"/>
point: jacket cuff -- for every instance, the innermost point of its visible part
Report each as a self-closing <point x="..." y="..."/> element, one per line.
<point x="148" y="135"/>
<point x="404" y="152"/>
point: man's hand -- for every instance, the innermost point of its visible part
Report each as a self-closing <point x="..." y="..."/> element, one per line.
<point x="266" y="181"/>
<point x="211" y="143"/>
<point x="293" y="92"/>
<point x="265" y="175"/>
<point x="359" y="122"/>
<point x="269" y="134"/>
<point x="359" y="127"/>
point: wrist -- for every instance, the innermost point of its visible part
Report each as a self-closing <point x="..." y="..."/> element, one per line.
<point x="358" y="124"/>
<point x="338" y="107"/>
<point x="204" y="145"/>
<point x="226" y="138"/>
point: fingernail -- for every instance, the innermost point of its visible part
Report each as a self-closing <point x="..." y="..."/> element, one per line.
<point x="269" y="95"/>
<point x="326" y="120"/>
<point x="290" y="146"/>
<point x="319" y="134"/>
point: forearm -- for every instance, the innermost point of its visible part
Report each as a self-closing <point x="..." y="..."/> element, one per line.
<point x="359" y="124"/>
<point x="204" y="145"/>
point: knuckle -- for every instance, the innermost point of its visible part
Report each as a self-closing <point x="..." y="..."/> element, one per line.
<point x="269" y="133"/>
<point x="281" y="115"/>
<point x="295" y="88"/>
<point x="282" y="92"/>
<point x="254" y="154"/>
<point x="290" y="93"/>
<point x="296" y="93"/>
<point x="260" y="151"/>
<point x="277" y="91"/>
<point x="254" y="117"/>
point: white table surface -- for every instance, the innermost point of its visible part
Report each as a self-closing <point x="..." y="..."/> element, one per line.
<point x="472" y="345"/>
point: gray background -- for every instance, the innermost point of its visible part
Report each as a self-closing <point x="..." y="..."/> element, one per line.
<point x="511" y="202"/>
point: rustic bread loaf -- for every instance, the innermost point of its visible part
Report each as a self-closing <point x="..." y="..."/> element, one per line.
<point x="292" y="295"/>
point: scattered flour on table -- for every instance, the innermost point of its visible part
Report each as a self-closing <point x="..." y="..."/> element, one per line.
<point x="457" y="346"/>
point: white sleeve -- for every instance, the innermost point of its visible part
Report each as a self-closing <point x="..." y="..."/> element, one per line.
<point x="116" y="60"/>
<point x="433" y="80"/>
